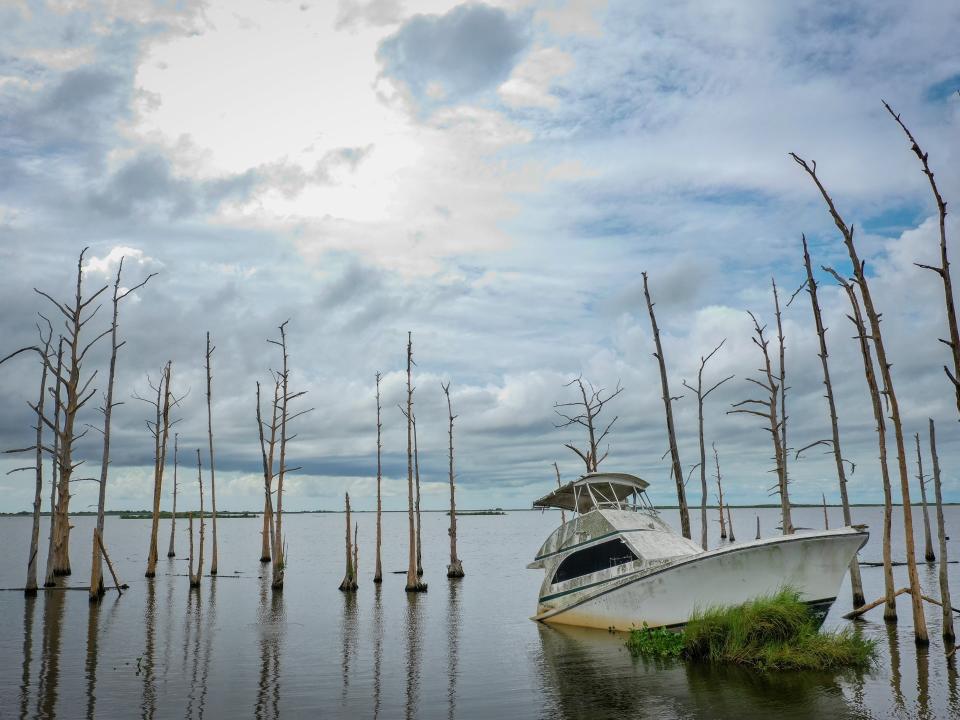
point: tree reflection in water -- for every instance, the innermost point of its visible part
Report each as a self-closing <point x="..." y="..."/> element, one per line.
<point x="377" y="646"/>
<point x="271" y="622"/>
<point x="453" y="641"/>
<point x="29" y="609"/>
<point x="54" y="602"/>
<point x="412" y="626"/>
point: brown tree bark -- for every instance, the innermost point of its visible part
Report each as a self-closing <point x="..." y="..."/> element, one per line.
<point x="349" y="582"/>
<point x="267" y="535"/>
<point x="783" y="386"/>
<point x="890" y="608"/>
<point x="455" y="568"/>
<point x="195" y="577"/>
<point x="414" y="584"/>
<point x="732" y="538"/>
<point x="948" y="633"/>
<point x="213" y="479"/>
<point x="826" y="518"/>
<point x="919" y="621"/>
<point x="856" y="583"/>
<point x="723" y="524"/>
<point x="668" y="408"/>
<point x="563" y="514"/>
<point x="378" y="570"/>
<point x="701" y="396"/>
<point x="171" y="550"/>
<point x="31" y="586"/>
<point x="163" y="434"/>
<point x="416" y="502"/>
<point x="49" y="580"/>
<point x="927" y="538"/>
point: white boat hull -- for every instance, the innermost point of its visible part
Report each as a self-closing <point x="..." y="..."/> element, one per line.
<point x="812" y="563"/>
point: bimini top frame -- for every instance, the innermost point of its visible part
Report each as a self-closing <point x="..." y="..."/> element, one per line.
<point x="619" y="491"/>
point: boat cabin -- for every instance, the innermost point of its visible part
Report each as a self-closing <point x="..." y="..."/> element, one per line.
<point x="594" y="491"/>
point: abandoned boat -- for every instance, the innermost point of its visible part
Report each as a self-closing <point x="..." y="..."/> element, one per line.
<point x="615" y="564"/>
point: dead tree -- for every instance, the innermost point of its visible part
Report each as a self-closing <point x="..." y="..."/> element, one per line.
<point x="49" y="580"/>
<point x="160" y="428"/>
<point x="97" y="588"/>
<point x="919" y="621"/>
<point x="592" y="405"/>
<point x="723" y="525"/>
<point x="945" y="603"/>
<point x="267" y="448"/>
<point x="416" y="474"/>
<point x="278" y="551"/>
<point x="701" y="396"/>
<point x="668" y="408"/>
<point x="856" y="584"/>
<point x="195" y="577"/>
<point x="414" y="584"/>
<point x="38" y="448"/>
<point x="378" y="570"/>
<point x="349" y="583"/>
<point x="826" y="519"/>
<point x="213" y="481"/>
<point x="171" y="551"/>
<point x="356" y="551"/>
<point x="944" y="269"/>
<point x="783" y="383"/>
<point x="563" y="514"/>
<point x="890" y="605"/>
<point x="455" y="568"/>
<point x="771" y="414"/>
<point x="921" y="478"/>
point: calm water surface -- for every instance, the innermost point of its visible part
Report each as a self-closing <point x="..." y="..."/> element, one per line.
<point x="464" y="649"/>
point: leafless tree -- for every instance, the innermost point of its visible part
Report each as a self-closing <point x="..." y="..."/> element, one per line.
<point x="944" y="269"/>
<point x="455" y="568"/>
<point x="701" y="396"/>
<point x="349" y="582"/>
<point x="414" y="584"/>
<point x="921" y="478"/>
<point x="213" y="480"/>
<point x="856" y="584"/>
<point x="416" y="504"/>
<point x="856" y="317"/>
<point x="195" y="577"/>
<point x="171" y="551"/>
<point x="826" y="518"/>
<point x="919" y="621"/>
<point x="668" y="409"/>
<point x="587" y="408"/>
<point x="769" y="412"/>
<point x="563" y="514"/>
<point x="267" y="448"/>
<point x="720" y="503"/>
<point x="378" y="571"/>
<point x="49" y="580"/>
<point x="945" y="603"/>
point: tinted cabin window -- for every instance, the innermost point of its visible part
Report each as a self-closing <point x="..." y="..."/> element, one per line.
<point x="594" y="558"/>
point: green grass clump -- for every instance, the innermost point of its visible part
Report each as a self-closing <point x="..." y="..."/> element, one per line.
<point x="777" y="632"/>
<point x="655" y="642"/>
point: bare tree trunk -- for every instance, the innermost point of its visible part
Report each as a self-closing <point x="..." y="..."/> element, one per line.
<point x="668" y="408"/>
<point x="701" y="396"/>
<point x="267" y="535"/>
<point x="349" y="582"/>
<point x="55" y="470"/>
<point x="723" y="525"/>
<point x="730" y="525"/>
<point x="455" y="568"/>
<point x="416" y="474"/>
<point x="948" y="633"/>
<point x="279" y="566"/>
<point x="890" y="607"/>
<point x="919" y="621"/>
<point x="195" y="578"/>
<point x="856" y="583"/>
<point x="758" y="527"/>
<point x="103" y="551"/>
<point x="563" y="514"/>
<point x="414" y="584"/>
<point x="213" y="481"/>
<point x="927" y="539"/>
<point x="826" y="518"/>
<point x="190" y="571"/>
<point x="944" y="270"/>
<point x="378" y="570"/>
<point x="163" y="434"/>
<point x="356" y="553"/>
<point x="171" y="551"/>
<point x="31" y="586"/>
<point x="783" y="388"/>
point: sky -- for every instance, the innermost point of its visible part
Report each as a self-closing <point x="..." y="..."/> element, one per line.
<point x="493" y="177"/>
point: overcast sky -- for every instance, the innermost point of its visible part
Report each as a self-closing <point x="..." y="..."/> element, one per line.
<point x="493" y="177"/>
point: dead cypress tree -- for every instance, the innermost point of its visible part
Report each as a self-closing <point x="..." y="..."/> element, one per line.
<point x="771" y="414"/>
<point x="356" y="551"/>
<point x="455" y="568"/>
<point x="414" y="584"/>
<point x="267" y="448"/>
<point x="826" y="519"/>
<point x="781" y="344"/>
<point x="927" y="539"/>
<point x="55" y="469"/>
<point x="668" y="408"/>
<point x="195" y="577"/>
<point x="97" y="588"/>
<point x="349" y="582"/>
<point x="161" y="432"/>
<point x="213" y="480"/>
<point x="720" y="503"/>
<point x="31" y="586"/>
<point x="563" y="514"/>
<point x="890" y="605"/>
<point x="945" y="603"/>
<point x="378" y="571"/>
<point x="919" y="621"/>
<point x="171" y="551"/>
<point x="592" y="405"/>
<point x="944" y="269"/>
<point x="856" y="584"/>
<point x="701" y="396"/>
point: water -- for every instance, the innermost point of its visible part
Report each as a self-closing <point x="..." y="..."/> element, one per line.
<point x="465" y="649"/>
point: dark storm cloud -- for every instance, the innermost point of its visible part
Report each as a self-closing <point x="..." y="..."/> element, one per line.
<point x="470" y="49"/>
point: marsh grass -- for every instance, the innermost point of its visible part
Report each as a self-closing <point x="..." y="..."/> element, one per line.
<point x="777" y="632"/>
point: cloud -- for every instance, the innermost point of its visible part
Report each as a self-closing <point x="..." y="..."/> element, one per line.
<point x="444" y="59"/>
<point x="529" y="84"/>
<point x="353" y="13"/>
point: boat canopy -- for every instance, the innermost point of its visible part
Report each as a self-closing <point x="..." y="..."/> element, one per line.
<point x="599" y="489"/>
